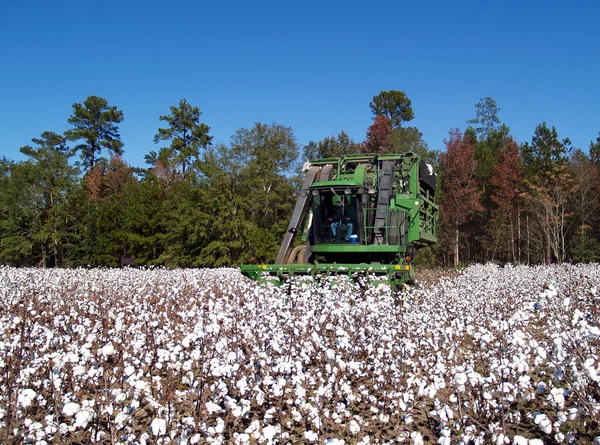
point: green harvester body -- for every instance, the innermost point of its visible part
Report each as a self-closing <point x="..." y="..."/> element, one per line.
<point x="360" y="215"/>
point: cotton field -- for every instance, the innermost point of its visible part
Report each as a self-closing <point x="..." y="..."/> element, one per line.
<point x="491" y="355"/>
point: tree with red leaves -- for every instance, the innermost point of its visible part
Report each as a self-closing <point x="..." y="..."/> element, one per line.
<point x="506" y="183"/>
<point x="378" y="136"/>
<point x="461" y="193"/>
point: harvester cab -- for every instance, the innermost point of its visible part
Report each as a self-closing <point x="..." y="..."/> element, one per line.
<point x="358" y="215"/>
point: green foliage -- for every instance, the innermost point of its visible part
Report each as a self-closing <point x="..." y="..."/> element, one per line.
<point x="486" y="111"/>
<point x="546" y="152"/>
<point x="586" y="249"/>
<point x="595" y="150"/>
<point x="427" y="257"/>
<point x="331" y="147"/>
<point x="95" y="122"/>
<point x="33" y="204"/>
<point x="201" y="205"/>
<point x="394" y="105"/>
<point x="410" y="139"/>
<point x="186" y="134"/>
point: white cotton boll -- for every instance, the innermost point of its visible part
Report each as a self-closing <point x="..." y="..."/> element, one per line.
<point x="269" y="432"/>
<point x="417" y="438"/>
<point x="159" y="427"/>
<point x="71" y="408"/>
<point x="311" y="436"/>
<point x="242" y="438"/>
<point x="82" y="418"/>
<point x="536" y="442"/>
<point x="402" y="405"/>
<point x="557" y="398"/>
<point x="212" y="407"/>
<point x="26" y="397"/>
<point x="543" y="423"/>
<point x="559" y="437"/>
<point x="220" y="426"/>
<point x="597" y="440"/>
<point x="572" y="413"/>
<point x="460" y="379"/>
<point x="520" y="440"/>
<point x="107" y="350"/>
<point x="354" y="427"/>
<point x="498" y="439"/>
<point x="541" y="352"/>
<point x="129" y="370"/>
<point x="593" y="332"/>
<point x="592" y="372"/>
<point x="141" y="385"/>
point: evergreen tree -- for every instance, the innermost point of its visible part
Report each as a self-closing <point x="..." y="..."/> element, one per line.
<point x="595" y="150"/>
<point x="486" y="111"/>
<point x="50" y="179"/>
<point x="331" y="147"/>
<point x="17" y="215"/>
<point x="546" y="153"/>
<point x="394" y="105"/>
<point x="95" y="123"/>
<point x="548" y="192"/>
<point x="186" y="134"/>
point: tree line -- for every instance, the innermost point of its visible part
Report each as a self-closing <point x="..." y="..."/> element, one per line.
<point x="75" y="201"/>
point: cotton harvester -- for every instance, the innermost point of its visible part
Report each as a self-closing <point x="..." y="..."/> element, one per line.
<point x="358" y="215"/>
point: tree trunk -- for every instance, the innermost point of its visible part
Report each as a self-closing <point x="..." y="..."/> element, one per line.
<point x="456" y="247"/>
<point x="519" y="234"/>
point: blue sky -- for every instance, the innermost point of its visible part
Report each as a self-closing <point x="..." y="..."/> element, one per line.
<point x="313" y="66"/>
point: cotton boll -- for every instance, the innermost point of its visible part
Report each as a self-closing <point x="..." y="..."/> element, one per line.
<point x="536" y="442"/>
<point x="311" y="436"/>
<point x="354" y="427"/>
<point x="417" y="438"/>
<point x="460" y="379"/>
<point x="70" y="409"/>
<point x="107" y="350"/>
<point x="269" y="432"/>
<point x="543" y="423"/>
<point x="557" y="398"/>
<point x="241" y="438"/>
<point x="159" y="427"/>
<point x="26" y="397"/>
<point x="593" y="332"/>
<point x="83" y="417"/>
<point x="541" y="352"/>
<point x="520" y="440"/>
<point x="499" y="439"/>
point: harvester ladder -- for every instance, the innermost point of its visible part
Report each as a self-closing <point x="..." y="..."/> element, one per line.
<point x="298" y="216"/>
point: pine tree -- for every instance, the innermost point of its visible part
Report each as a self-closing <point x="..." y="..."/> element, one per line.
<point x="95" y="122"/>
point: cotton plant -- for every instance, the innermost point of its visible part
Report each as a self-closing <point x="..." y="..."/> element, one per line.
<point x="207" y="356"/>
